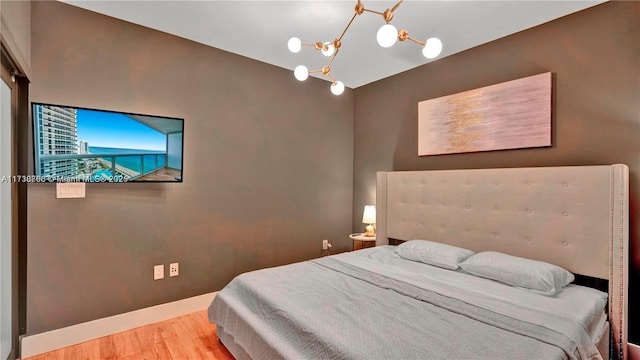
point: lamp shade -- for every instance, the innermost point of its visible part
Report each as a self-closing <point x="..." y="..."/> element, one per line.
<point x="301" y="72"/>
<point x="294" y="44"/>
<point x="387" y="35"/>
<point x="369" y="214"/>
<point x="330" y="49"/>
<point x="337" y="88"/>
<point x="432" y="48"/>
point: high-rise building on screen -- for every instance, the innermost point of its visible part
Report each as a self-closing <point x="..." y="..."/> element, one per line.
<point x="57" y="131"/>
<point x="84" y="147"/>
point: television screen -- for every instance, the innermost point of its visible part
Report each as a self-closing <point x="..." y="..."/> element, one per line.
<point x="74" y="144"/>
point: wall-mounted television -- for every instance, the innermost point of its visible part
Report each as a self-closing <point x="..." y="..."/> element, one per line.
<point x="73" y="144"/>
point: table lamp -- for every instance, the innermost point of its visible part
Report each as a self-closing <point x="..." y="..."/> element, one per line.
<point x="369" y="218"/>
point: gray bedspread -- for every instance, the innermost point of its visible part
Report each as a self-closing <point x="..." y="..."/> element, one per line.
<point x="330" y="309"/>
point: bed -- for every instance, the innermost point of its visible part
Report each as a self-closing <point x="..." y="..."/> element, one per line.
<point x="379" y="303"/>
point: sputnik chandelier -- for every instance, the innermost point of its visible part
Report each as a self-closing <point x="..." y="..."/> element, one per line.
<point x="387" y="36"/>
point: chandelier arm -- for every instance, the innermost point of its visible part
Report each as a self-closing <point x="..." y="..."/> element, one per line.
<point x="395" y="7"/>
<point x="331" y="78"/>
<point x="375" y="12"/>
<point x="333" y="57"/>
<point x="348" y="25"/>
<point x="315" y="71"/>
<point x="423" y="43"/>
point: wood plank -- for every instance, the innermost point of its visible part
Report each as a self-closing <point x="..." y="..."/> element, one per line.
<point x="74" y="352"/>
<point x="106" y="346"/>
<point x="192" y="348"/>
<point x="89" y="350"/>
<point x="126" y="343"/>
<point x="186" y="337"/>
<point x="172" y="343"/>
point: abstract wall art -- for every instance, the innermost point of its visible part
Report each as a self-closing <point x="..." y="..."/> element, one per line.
<point x="510" y="115"/>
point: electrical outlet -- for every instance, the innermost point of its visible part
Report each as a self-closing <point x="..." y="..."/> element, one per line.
<point x="158" y="272"/>
<point x="325" y="244"/>
<point x="173" y="269"/>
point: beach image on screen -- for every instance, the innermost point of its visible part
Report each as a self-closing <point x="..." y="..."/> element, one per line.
<point x="74" y="144"/>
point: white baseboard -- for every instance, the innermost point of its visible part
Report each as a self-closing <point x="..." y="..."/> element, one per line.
<point x="56" y="339"/>
<point x="634" y="351"/>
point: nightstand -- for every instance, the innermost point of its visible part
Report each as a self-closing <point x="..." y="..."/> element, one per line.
<point x="360" y="241"/>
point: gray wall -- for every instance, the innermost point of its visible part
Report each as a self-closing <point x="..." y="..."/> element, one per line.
<point x="268" y="170"/>
<point x="594" y="56"/>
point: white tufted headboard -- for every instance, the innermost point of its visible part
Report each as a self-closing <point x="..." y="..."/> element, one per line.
<point x="572" y="216"/>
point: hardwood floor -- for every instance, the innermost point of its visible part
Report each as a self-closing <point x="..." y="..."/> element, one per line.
<point x="185" y="337"/>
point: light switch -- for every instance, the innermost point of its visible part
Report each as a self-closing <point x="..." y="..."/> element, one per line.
<point x="158" y="272"/>
<point x="70" y="190"/>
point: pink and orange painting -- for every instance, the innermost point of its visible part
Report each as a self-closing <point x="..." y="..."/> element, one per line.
<point x="511" y="115"/>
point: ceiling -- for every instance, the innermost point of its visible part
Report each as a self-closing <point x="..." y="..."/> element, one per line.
<point x="260" y="29"/>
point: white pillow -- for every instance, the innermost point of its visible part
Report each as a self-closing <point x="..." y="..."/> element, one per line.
<point x="432" y="253"/>
<point x="537" y="276"/>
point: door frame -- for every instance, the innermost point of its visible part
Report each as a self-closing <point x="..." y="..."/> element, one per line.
<point x="19" y="165"/>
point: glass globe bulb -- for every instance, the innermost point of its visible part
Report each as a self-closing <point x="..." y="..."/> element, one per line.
<point x="294" y="45"/>
<point x="337" y="88"/>
<point x="432" y="48"/>
<point x="330" y="49"/>
<point x="301" y="72"/>
<point x="387" y="35"/>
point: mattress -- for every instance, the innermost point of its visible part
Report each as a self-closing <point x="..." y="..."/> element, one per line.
<point x="369" y="304"/>
<point x="585" y="305"/>
<point x="597" y="327"/>
<point x="582" y="304"/>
